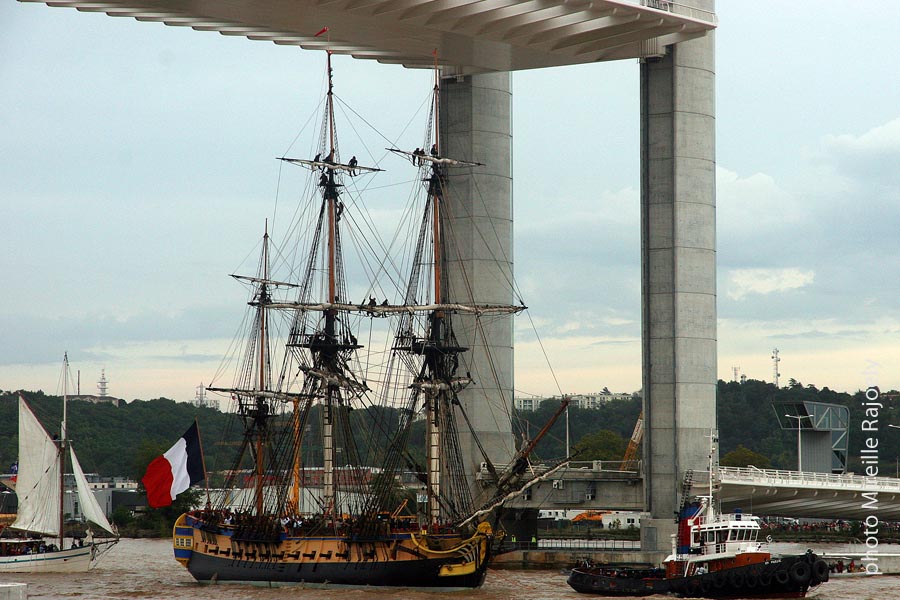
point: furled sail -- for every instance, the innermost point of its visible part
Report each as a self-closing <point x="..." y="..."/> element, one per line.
<point x="38" y="483"/>
<point x="89" y="506"/>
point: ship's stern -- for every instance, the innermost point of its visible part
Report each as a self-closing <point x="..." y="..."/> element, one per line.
<point x="183" y="540"/>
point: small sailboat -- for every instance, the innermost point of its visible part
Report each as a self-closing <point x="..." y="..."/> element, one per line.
<point x="328" y="438"/>
<point x="36" y="542"/>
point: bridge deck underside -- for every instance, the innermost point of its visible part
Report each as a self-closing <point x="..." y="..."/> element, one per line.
<point x="764" y="493"/>
<point x="469" y="36"/>
<point x="810" y="502"/>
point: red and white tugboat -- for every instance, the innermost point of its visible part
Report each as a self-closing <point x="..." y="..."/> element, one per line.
<point x="714" y="555"/>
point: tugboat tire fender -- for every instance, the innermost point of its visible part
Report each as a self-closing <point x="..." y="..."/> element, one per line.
<point x="800" y="573"/>
<point x="737" y="579"/>
<point x="820" y="571"/>
<point x="720" y="580"/>
<point x="765" y="579"/>
<point x="752" y="580"/>
<point x="782" y="576"/>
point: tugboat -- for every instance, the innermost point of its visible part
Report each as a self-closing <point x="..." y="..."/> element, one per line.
<point x="714" y="555"/>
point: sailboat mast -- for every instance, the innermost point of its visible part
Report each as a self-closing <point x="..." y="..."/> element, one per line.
<point x="62" y="451"/>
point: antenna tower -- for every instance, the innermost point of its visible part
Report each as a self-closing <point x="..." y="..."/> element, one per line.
<point x="102" y="384"/>
<point x="775" y="361"/>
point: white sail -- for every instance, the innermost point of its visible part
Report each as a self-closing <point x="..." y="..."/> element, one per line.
<point x="89" y="506"/>
<point x="38" y="483"/>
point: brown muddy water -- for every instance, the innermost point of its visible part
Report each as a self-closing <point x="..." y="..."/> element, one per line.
<point x="145" y="569"/>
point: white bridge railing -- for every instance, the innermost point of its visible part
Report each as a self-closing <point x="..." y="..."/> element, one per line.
<point x="682" y="8"/>
<point x="773" y="477"/>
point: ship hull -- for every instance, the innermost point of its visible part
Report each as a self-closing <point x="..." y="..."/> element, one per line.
<point x="75" y="560"/>
<point x="788" y="577"/>
<point x="403" y="559"/>
<point x="419" y="573"/>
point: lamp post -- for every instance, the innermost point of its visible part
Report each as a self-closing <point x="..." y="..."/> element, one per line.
<point x="799" y="449"/>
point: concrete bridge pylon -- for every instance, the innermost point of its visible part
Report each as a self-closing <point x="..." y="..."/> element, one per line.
<point x="678" y="262"/>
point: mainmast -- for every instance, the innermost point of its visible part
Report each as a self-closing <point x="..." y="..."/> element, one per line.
<point x="432" y="396"/>
<point x="331" y="197"/>
<point x="329" y="341"/>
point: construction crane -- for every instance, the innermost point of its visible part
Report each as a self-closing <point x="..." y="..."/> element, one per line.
<point x="634" y="444"/>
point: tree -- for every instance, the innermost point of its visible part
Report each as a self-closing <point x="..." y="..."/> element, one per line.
<point x="602" y="445"/>
<point x="744" y="457"/>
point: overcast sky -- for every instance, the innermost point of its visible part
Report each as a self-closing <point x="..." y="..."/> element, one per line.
<point x="136" y="163"/>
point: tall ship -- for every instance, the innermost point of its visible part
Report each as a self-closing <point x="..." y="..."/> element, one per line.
<point x="36" y="542"/>
<point x="314" y="494"/>
<point x="714" y="555"/>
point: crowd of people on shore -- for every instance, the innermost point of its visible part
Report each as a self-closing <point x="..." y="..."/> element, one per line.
<point x="887" y="529"/>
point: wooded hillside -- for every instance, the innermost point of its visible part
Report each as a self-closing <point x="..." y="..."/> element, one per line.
<point x="120" y="440"/>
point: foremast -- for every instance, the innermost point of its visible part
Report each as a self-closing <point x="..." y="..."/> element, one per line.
<point x="252" y="388"/>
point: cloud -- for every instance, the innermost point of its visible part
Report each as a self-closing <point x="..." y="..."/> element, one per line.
<point x="744" y="282"/>
<point x="756" y="198"/>
<point x="868" y="159"/>
<point x="883" y="139"/>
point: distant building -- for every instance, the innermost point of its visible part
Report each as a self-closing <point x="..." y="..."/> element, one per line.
<point x="822" y="433"/>
<point x="596" y="400"/>
<point x="578" y="400"/>
<point x="527" y="403"/>
<point x="110" y="493"/>
<point x="98" y="399"/>
<point x="102" y="396"/>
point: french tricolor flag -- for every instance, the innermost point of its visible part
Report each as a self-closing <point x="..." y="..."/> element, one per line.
<point x="176" y="470"/>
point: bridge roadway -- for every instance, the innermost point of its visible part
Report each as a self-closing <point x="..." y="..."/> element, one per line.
<point x="764" y="492"/>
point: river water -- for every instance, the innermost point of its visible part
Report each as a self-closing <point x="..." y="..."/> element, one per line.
<point x="145" y="569"/>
